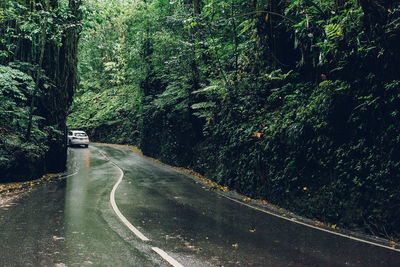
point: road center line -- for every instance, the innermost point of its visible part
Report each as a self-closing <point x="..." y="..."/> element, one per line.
<point x="166" y="257"/>
<point x="118" y="212"/>
<point x="159" y="251"/>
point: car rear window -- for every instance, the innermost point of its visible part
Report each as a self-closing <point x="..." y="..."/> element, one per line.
<point x="80" y="134"/>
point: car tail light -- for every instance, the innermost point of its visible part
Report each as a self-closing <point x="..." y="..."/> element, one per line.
<point x="74" y="137"/>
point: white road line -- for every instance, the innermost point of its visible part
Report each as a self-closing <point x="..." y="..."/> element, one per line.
<point x="312" y="226"/>
<point x="166" y="257"/>
<point x="119" y="214"/>
<point x="159" y="251"/>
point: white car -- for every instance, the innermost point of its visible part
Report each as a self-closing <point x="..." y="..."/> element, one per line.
<point x="78" y="138"/>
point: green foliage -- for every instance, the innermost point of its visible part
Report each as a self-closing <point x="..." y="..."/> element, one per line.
<point x="110" y="111"/>
<point x="295" y="102"/>
<point x="15" y="84"/>
<point x="37" y="80"/>
<point x="16" y="88"/>
<point x="333" y="31"/>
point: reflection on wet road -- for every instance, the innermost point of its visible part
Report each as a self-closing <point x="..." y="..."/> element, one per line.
<point x="72" y="223"/>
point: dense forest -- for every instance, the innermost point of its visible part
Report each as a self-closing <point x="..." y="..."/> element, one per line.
<point x="296" y="102"/>
<point x="38" y="71"/>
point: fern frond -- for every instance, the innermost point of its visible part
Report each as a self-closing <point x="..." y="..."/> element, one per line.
<point x="333" y="31"/>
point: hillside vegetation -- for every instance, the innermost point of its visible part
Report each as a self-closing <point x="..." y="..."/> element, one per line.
<point x="295" y="102"/>
<point x="38" y="62"/>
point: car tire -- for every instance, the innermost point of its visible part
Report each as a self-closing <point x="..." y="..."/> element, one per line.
<point x="86" y="145"/>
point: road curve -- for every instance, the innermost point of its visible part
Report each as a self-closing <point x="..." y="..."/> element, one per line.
<point x="84" y="220"/>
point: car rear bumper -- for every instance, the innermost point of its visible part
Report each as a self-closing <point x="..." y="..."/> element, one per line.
<point x="79" y="142"/>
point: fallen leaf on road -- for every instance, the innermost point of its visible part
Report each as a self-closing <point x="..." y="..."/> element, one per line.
<point x="55" y="238"/>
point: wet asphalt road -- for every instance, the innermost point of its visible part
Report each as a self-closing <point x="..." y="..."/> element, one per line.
<point x="72" y="223"/>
